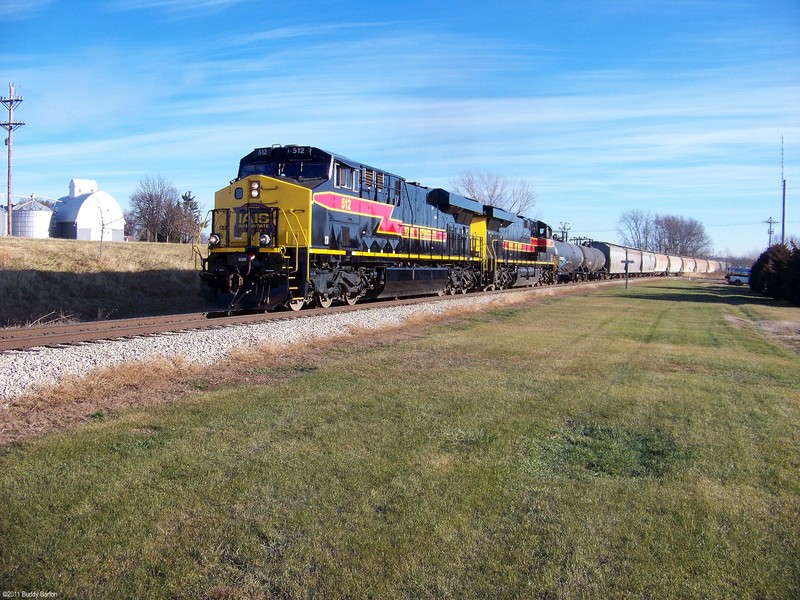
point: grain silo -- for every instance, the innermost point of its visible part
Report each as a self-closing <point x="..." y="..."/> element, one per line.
<point x="31" y="219"/>
<point x="4" y="219"/>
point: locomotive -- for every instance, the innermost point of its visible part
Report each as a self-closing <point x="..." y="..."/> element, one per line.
<point x="302" y="226"/>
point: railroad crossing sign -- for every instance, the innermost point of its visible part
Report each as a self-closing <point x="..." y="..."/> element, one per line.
<point x="626" y="262"/>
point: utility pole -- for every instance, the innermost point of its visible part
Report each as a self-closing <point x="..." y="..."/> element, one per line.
<point x="770" y="222"/>
<point x="564" y="231"/>
<point x="10" y="126"/>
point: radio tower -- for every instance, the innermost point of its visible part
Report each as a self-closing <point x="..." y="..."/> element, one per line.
<point x="10" y="126"/>
<point x="783" y="213"/>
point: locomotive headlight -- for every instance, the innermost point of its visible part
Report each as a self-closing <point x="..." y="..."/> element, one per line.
<point x="264" y="239"/>
<point x="213" y="240"/>
<point x="255" y="189"/>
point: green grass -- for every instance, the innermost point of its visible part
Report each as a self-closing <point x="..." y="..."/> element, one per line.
<point x="629" y="443"/>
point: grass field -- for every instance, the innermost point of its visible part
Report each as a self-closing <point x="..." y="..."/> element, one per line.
<point x="627" y="443"/>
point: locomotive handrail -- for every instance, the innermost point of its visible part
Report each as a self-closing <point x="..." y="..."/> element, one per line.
<point x="296" y="238"/>
<point x="196" y="244"/>
<point x="491" y="255"/>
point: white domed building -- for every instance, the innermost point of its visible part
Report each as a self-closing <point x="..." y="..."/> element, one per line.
<point x="87" y="214"/>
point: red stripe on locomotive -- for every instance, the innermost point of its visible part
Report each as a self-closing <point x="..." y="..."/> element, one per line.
<point x="367" y="208"/>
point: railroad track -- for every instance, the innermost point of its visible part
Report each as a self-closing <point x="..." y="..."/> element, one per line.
<point x="25" y="338"/>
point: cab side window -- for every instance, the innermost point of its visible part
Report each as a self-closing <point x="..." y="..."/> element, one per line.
<point x="344" y="177"/>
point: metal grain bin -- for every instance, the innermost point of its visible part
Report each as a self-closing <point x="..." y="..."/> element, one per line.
<point x="31" y="219"/>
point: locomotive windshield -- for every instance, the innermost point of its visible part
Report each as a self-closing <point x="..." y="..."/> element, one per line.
<point x="298" y="163"/>
<point x="293" y="170"/>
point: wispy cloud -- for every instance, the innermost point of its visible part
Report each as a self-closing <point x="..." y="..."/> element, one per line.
<point x="15" y="10"/>
<point x="189" y="7"/>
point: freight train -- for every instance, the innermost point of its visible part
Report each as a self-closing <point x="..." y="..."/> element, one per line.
<point x="302" y="226"/>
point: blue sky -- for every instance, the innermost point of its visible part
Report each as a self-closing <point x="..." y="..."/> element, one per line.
<point x="670" y="106"/>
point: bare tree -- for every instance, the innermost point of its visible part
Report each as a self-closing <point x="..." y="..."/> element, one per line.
<point x="513" y="195"/>
<point x="635" y="229"/>
<point x="107" y="219"/>
<point x="521" y="196"/>
<point x="680" y="235"/>
<point x="173" y="223"/>
<point x="665" y="234"/>
<point x="150" y="204"/>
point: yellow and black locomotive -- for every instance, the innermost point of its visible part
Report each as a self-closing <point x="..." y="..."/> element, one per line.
<point x="300" y="225"/>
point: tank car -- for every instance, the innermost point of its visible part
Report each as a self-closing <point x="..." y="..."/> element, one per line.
<point x="593" y="261"/>
<point x="579" y="262"/>
<point x="300" y="225"/>
<point x="570" y="260"/>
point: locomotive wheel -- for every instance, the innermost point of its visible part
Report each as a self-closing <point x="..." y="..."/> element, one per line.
<point x="296" y="304"/>
<point x="323" y="301"/>
<point x="351" y="299"/>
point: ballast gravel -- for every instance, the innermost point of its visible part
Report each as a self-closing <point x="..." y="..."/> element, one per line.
<point x="26" y="371"/>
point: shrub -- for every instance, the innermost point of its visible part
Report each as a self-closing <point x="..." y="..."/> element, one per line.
<point x="793" y="284"/>
<point x="776" y="273"/>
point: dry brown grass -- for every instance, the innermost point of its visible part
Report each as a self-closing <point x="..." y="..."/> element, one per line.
<point x="68" y="280"/>
<point x="78" y="400"/>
